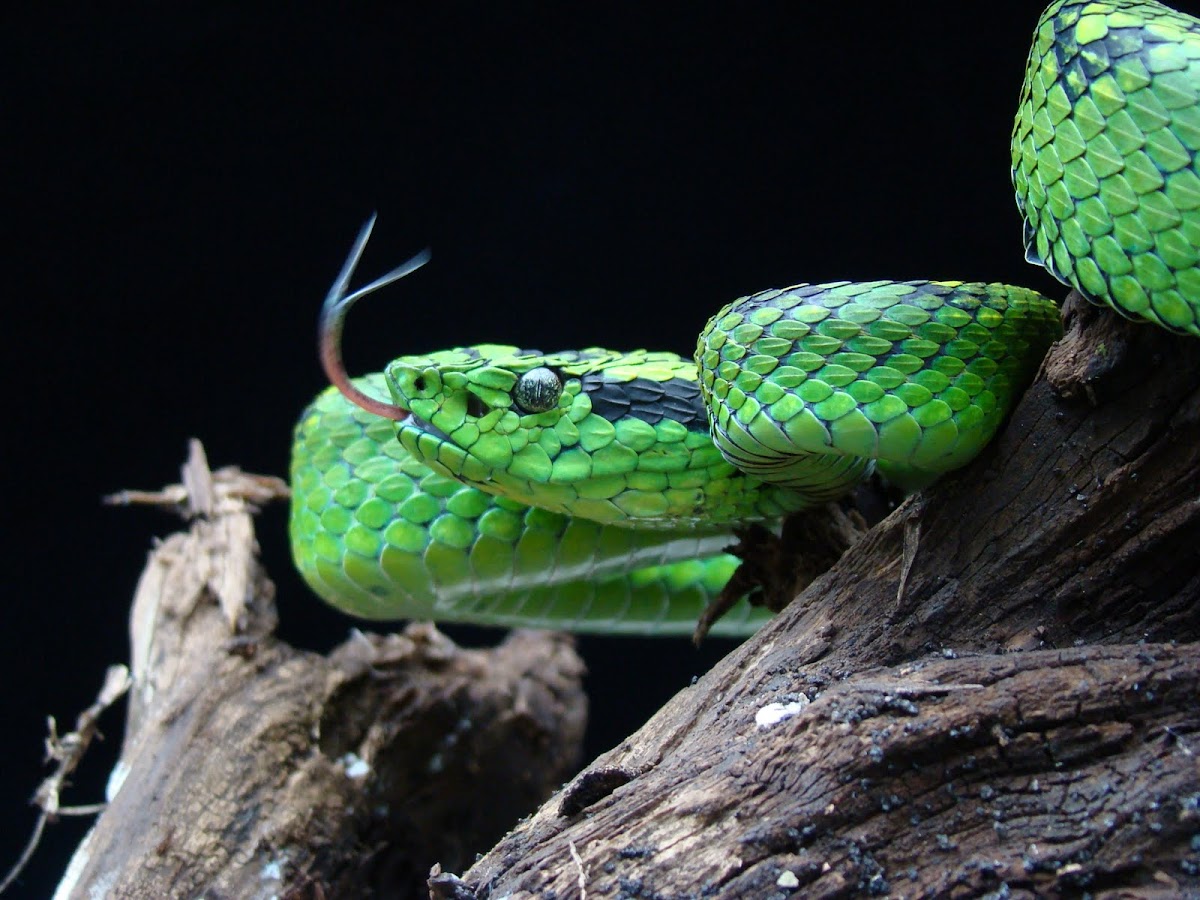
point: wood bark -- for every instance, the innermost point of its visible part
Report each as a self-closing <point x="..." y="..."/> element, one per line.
<point x="996" y="692"/>
<point x="252" y="769"/>
<point x="993" y="693"/>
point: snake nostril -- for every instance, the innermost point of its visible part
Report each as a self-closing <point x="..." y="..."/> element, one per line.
<point x="419" y="383"/>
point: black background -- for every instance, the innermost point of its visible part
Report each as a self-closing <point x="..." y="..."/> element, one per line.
<point x="186" y="184"/>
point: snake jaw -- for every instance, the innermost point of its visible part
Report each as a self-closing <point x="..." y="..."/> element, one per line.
<point x="440" y="452"/>
<point x="426" y="428"/>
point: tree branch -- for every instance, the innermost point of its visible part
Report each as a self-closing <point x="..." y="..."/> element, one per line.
<point x="252" y="768"/>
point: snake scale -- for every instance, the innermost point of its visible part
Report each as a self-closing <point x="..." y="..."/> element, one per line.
<point x="595" y="490"/>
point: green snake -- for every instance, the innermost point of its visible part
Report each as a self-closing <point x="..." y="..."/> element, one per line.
<point x="596" y="490"/>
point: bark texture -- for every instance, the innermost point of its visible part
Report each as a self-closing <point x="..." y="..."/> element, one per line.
<point x="252" y="769"/>
<point x="994" y="693"/>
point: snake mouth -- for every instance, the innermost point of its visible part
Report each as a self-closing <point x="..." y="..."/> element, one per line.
<point x="427" y="428"/>
<point x="440" y="452"/>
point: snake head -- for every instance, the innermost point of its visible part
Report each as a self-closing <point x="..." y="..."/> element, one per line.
<point x="614" y="437"/>
<point x="476" y="411"/>
<point x="620" y="438"/>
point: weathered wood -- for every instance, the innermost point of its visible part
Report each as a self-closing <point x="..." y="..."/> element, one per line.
<point x="1021" y="717"/>
<point x="1054" y="769"/>
<point x="250" y="768"/>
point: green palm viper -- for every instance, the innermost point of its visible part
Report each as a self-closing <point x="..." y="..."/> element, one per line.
<point x="596" y="490"/>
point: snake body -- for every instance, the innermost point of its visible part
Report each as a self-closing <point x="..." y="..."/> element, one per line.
<point x="595" y="490"/>
<point x="530" y="488"/>
<point x="1104" y="157"/>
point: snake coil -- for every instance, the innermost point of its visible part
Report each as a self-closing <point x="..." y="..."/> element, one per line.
<point x="595" y="490"/>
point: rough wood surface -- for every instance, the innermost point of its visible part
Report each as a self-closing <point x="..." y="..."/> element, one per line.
<point x="994" y="693"/>
<point x="252" y="769"/>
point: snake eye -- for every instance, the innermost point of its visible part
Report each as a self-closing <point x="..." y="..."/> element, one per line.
<point x="538" y="390"/>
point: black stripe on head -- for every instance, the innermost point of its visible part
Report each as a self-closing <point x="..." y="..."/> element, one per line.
<point x="650" y="401"/>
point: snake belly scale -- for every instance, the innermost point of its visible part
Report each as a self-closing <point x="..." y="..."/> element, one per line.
<point x="596" y="490"/>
